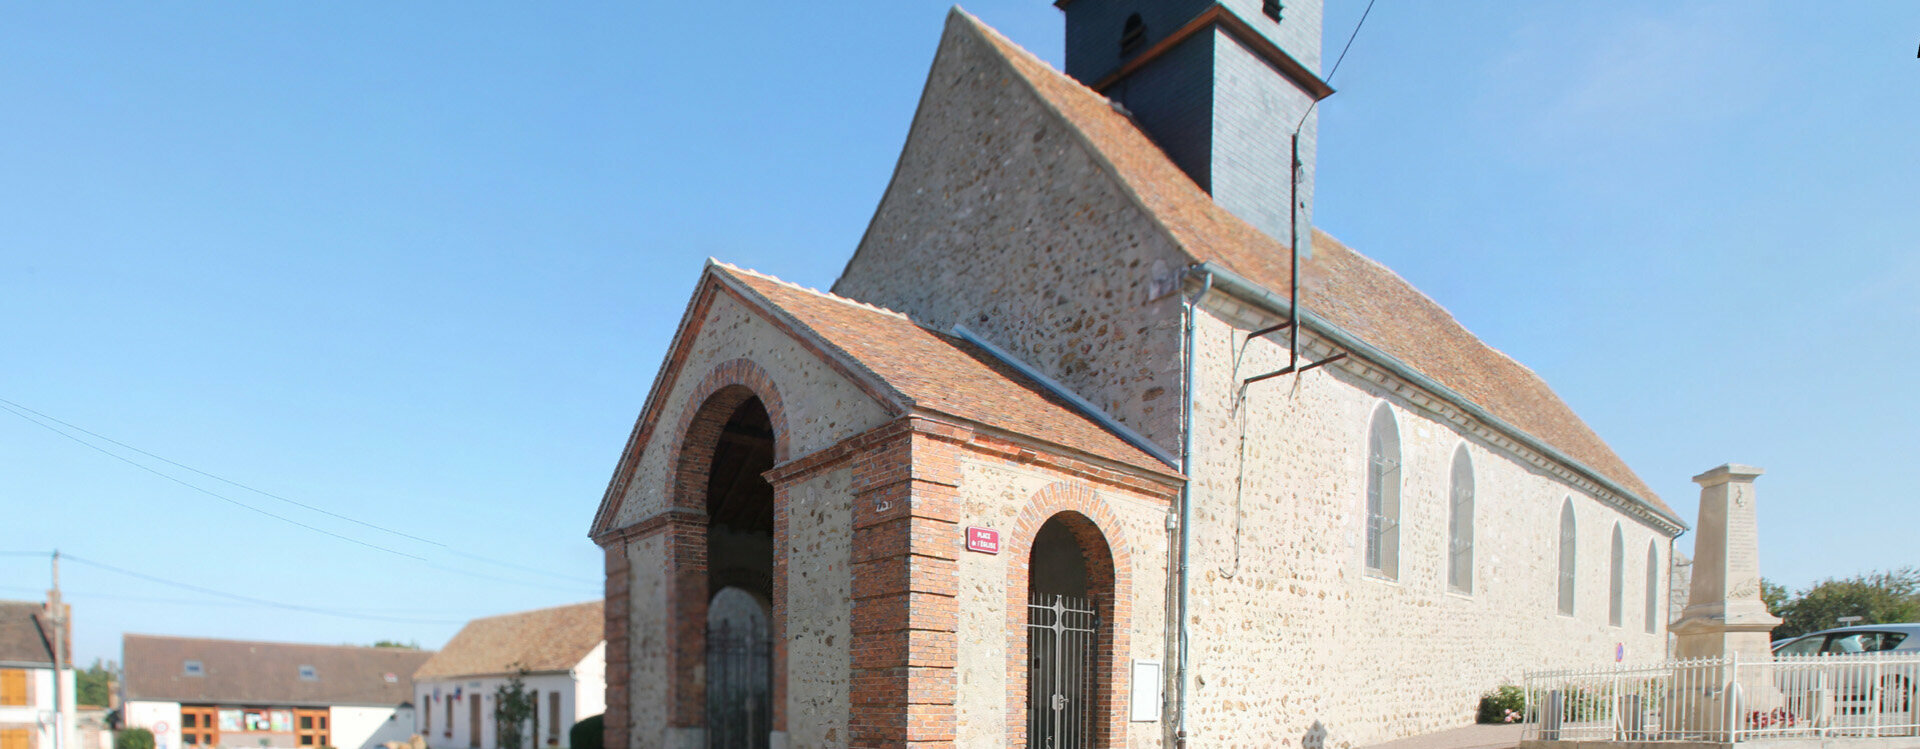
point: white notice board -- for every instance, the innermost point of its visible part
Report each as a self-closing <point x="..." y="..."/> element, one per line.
<point x="1145" y="703"/>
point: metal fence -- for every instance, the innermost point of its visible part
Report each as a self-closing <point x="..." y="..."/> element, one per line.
<point x="1729" y="699"/>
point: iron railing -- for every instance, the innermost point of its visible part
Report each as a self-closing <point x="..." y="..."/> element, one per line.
<point x="1729" y="699"/>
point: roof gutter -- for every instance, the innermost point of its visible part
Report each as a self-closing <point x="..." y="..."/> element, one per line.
<point x="1233" y="283"/>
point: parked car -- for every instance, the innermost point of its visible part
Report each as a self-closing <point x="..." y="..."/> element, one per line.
<point x="1857" y="676"/>
<point x="1860" y="638"/>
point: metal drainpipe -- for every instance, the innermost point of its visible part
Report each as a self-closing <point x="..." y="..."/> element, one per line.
<point x="1186" y="506"/>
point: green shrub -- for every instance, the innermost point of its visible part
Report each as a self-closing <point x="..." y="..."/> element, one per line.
<point x="1508" y="700"/>
<point x="133" y="738"/>
<point x="586" y="734"/>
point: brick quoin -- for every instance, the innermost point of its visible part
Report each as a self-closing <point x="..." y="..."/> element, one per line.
<point x="1109" y="585"/>
<point x="905" y="581"/>
<point x="615" y="721"/>
<point x="684" y="523"/>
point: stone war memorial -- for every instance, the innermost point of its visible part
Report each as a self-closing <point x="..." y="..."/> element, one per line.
<point x="1723" y="686"/>
<point x="1097" y="442"/>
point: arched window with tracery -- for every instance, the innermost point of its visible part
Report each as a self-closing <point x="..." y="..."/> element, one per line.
<point x="1568" y="538"/>
<point x="1460" y="524"/>
<point x="1383" y="495"/>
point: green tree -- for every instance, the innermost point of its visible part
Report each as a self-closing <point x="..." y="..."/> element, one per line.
<point x="1775" y="595"/>
<point x="409" y="645"/>
<point x="1875" y="597"/>
<point x="93" y="684"/>
<point x="512" y="708"/>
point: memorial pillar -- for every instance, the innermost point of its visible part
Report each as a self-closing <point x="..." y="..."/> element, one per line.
<point x="1725" y="617"/>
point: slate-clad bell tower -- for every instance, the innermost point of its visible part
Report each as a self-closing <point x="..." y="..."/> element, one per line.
<point x="1219" y="85"/>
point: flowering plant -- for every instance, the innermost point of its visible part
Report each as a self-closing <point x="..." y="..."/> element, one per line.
<point x="1775" y="718"/>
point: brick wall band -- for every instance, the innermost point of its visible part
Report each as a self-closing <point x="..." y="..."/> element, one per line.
<point x="1097" y="531"/>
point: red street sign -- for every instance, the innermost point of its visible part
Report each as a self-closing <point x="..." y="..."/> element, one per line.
<point x="984" y="540"/>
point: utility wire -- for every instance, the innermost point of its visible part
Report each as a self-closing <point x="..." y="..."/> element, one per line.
<point x="17" y="408"/>
<point x="1350" y="38"/>
<point x="539" y="586"/>
<point x="177" y="464"/>
<point x="208" y="492"/>
<point x="66" y="594"/>
<point x="1336" y="64"/>
<point x="520" y="567"/>
<point x="250" y="599"/>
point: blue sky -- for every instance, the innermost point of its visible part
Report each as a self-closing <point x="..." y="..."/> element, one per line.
<point x="417" y="264"/>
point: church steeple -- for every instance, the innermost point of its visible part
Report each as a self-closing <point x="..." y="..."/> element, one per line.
<point x="1220" y="86"/>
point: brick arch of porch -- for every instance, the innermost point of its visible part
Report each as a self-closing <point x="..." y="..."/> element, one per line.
<point x="710" y="404"/>
<point x="1097" y="531"/>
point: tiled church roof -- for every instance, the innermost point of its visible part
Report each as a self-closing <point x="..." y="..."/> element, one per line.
<point x="1345" y="288"/>
<point x="938" y="372"/>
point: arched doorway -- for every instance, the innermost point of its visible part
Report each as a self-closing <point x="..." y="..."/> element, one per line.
<point x="1069" y="639"/>
<point x="739" y="545"/>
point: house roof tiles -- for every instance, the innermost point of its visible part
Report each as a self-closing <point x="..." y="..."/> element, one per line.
<point x="540" y="641"/>
<point x="24" y="636"/>
<point x="266" y="673"/>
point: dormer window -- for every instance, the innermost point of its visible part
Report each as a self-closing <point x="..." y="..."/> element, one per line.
<point x="195" y="668"/>
<point x="308" y="674"/>
<point x="1133" y="35"/>
<point x="1271" y="8"/>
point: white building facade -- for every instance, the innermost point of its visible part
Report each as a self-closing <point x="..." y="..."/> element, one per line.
<point x="559" y="655"/>
<point x="36" y="705"/>
<point x="197" y="693"/>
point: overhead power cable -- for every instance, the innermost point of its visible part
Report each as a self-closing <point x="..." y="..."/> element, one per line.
<point x="249" y="599"/>
<point x="206" y="491"/>
<point x="66" y="594"/>
<point x="230" y="482"/>
<point x="1350" y="38"/>
<point x="36" y="418"/>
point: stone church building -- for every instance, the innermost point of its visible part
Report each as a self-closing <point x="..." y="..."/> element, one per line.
<point x="1036" y="471"/>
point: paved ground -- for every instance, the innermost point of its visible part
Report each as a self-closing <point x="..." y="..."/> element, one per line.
<point x="1471" y="737"/>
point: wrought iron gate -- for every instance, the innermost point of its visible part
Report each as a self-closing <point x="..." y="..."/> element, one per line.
<point x="739" y="673"/>
<point x="1060" y="674"/>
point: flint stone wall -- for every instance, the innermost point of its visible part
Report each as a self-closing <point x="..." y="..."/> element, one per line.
<point x="999" y="219"/>
<point x="993" y="494"/>
<point x="1291" y="631"/>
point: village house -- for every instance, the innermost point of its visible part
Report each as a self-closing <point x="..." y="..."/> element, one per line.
<point x="558" y="653"/>
<point x="196" y="692"/>
<point x="31" y="695"/>
<point x="1076" y="454"/>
